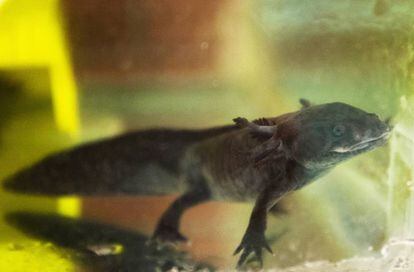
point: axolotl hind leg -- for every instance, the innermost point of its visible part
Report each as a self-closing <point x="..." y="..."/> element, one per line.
<point x="167" y="230"/>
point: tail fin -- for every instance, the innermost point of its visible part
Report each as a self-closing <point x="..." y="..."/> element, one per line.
<point x="143" y="162"/>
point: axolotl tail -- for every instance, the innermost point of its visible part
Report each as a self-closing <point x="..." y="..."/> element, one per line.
<point x="137" y="163"/>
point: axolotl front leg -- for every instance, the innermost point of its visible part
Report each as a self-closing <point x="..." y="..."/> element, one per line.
<point x="254" y="238"/>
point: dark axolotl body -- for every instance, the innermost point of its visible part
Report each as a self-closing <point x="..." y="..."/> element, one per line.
<point x="259" y="161"/>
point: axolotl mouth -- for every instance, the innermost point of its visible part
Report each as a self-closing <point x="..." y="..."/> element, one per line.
<point x="366" y="144"/>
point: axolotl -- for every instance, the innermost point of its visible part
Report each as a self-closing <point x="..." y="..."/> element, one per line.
<point x="256" y="161"/>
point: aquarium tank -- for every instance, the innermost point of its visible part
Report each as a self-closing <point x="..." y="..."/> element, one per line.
<point x="74" y="72"/>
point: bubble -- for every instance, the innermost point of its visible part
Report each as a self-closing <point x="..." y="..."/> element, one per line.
<point x="204" y="45"/>
<point x="410" y="185"/>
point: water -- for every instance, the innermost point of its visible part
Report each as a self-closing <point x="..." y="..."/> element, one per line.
<point x="356" y="51"/>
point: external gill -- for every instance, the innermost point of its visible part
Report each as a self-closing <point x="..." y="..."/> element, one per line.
<point x="269" y="150"/>
<point x="255" y="128"/>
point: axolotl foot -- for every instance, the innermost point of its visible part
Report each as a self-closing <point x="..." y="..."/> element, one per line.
<point x="252" y="242"/>
<point x="167" y="235"/>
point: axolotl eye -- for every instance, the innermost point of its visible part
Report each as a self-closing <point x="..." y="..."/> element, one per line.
<point x="338" y="130"/>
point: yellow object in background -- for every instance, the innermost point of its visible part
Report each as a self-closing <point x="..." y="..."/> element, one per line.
<point x="32" y="36"/>
<point x="34" y="257"/>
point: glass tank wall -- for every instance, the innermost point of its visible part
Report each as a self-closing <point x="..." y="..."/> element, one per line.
<point x="76" y="71"/>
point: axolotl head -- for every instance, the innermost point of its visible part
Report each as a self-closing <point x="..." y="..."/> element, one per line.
<point x="321" y="136"/>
